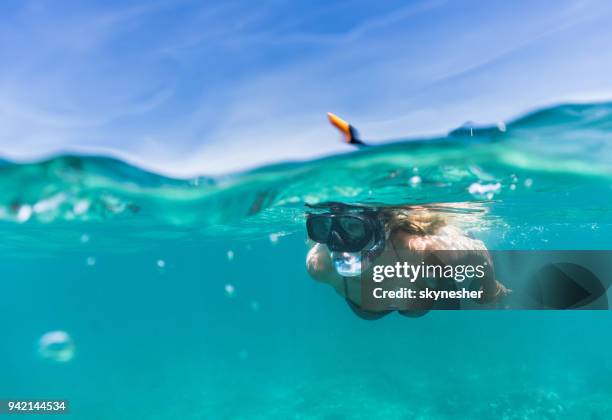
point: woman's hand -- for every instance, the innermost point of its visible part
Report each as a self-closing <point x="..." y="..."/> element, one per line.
<point x="319" y="264"/>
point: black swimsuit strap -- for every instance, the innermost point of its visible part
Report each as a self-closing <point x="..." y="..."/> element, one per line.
<point x="363" y="314"/>
<point x="345" y="281"/>
<point x="358" y="310"/>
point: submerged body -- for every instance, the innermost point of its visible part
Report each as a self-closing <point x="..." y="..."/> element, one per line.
<point x="411" y="236"/>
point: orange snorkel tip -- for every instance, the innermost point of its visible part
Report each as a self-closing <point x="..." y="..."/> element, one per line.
<point x="343" y="126"/>
<point x="351" y="136"/>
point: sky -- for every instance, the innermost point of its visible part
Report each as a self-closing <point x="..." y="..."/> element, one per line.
<point x="187" y="87"/>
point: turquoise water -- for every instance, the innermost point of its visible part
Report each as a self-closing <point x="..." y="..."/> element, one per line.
<point x="189" y="299"/>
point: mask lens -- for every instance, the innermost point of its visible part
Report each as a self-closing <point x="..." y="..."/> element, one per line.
<point x="353" y="227"/>
<point x="319" y="228"/>
<point x="355" y="232"/>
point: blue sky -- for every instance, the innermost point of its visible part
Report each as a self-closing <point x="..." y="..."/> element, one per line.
<point x="185" y="87"/>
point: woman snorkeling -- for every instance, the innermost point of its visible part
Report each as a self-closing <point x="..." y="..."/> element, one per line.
<point x="351" y="239"/>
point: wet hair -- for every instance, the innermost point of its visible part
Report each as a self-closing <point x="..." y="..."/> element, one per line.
<point x="417" y="221"/>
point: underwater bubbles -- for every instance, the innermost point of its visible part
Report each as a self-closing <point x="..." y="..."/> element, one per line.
<point x="91" y="261"/>
<point x="81" y="207"/>
<point x="415" y="180"/>
<point x="230" y="290"/>
<point x="24" y="213"/>
<point x="161" y="263"/>
<point x="230" y="255"/>
<point x="481" y="191"/>
<point x="56" y="346"/>
<point x="274" y="237"/>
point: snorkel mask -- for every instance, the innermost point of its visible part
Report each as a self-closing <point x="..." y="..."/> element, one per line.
<point x="354" y="235"/>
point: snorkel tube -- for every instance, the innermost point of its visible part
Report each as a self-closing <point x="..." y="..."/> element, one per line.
<point x="351" y="136"/>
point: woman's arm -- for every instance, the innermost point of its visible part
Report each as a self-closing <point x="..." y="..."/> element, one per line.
<point x="320" y="268"/>
<point x="319" y="263"/>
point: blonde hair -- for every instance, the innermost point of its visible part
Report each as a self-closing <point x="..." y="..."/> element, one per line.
<point x="418" y="221"/>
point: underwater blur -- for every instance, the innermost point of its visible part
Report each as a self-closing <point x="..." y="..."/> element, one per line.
<point x="133" y="295"/>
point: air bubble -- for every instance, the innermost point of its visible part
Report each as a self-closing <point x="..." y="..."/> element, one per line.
<point x="274" y="237"/>
<point x="230" y="255"/>
<point x="56" y="346"/>
<point x="49" y="204"/>
<point x="91" y="261"/>
<point x="81" y="207"/>
<point x="230" y="290"/>
<point x="479" y="190"/>
<point x="161" y="263"/>
<point x="24" y="213"/>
